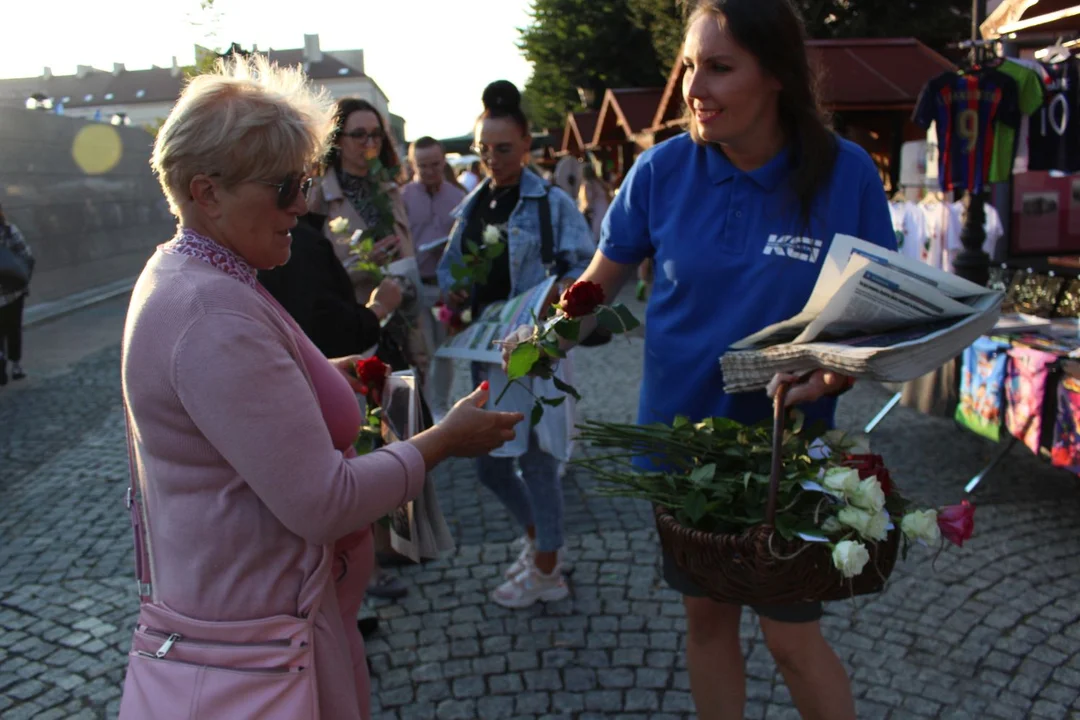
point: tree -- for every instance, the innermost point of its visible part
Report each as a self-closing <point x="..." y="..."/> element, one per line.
<point x="600" y="44"/>
<point x="589" y="44"/>
<point x="934" y="22"/>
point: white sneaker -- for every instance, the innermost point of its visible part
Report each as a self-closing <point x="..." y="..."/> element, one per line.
<point x="524" y="560"/>
<point x="531" y="585"/>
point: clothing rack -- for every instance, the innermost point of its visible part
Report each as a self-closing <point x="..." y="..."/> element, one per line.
<point x="1056" y="49"/>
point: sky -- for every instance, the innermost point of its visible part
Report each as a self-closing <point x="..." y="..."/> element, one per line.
<point x="432" y="58"/>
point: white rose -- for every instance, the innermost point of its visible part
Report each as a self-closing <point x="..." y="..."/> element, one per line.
<point x="492" y="235"/>
<point x="466" y="315"/>
<point x="868" y="495"/>
<point x="850" y="557"/>
<point x="339" y="225"/>
<point x="872" y="526"/>
<point x="841" y="481"/>
<point x="921" y="525"/>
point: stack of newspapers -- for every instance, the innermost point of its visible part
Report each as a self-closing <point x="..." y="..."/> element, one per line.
<point x="873" y="314"/>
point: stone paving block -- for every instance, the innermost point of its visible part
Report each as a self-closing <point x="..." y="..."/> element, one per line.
<point x="608" y="701"/>
<point x="506" y="684"/>
<point x="456" y="710"/>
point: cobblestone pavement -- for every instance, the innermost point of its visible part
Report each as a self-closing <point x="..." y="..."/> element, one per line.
<point x="994" y="632"/>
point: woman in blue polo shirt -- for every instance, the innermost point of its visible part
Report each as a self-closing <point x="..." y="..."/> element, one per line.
<point x="738" y="215"/>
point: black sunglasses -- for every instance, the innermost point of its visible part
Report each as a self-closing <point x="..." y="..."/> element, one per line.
<point x="289" y="188"/>
<point x="363" y="135"/>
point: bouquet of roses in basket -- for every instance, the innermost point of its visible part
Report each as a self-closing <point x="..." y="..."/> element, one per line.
<point x="716" y="479"/>
<point x="536" y="351"/>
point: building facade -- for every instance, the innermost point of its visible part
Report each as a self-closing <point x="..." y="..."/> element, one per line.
<point x="145" y="97"/>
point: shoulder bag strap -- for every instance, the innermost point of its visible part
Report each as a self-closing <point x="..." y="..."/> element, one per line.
<point x="138" y="521"/>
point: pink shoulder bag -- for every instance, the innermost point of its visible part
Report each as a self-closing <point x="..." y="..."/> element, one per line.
<point x="180" y="668"/>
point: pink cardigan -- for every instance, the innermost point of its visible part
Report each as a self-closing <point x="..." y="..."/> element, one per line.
<point x="240" y="478"/>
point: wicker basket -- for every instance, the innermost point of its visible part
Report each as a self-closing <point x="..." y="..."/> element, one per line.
<point x="759" y="567"/>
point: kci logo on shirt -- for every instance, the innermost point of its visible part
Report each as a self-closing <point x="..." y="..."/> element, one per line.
<point x="796" y="248"/>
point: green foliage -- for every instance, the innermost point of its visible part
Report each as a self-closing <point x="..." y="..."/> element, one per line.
<point x="601" y="44"/>
<point x="719" y="472"/>
<point x="591" y="44"/>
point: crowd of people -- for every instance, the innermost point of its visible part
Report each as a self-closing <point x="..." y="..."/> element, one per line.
<point x="255" y="519"/>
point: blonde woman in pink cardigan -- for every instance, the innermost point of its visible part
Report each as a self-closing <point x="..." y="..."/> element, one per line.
<point x="251" y="510"/>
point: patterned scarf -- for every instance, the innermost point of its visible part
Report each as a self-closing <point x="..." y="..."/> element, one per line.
<point x="360" y="193"/>
<point x="190" y="243"/>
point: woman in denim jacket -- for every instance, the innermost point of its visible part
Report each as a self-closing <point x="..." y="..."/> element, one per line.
<point x="511" y="201"/>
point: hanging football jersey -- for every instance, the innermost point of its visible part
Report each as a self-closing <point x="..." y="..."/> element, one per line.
<point x="966" y="109"/>
<point x="1054" y="136"/>
<point x="1029" y="89"/>
<point x="1025" y="390"/>
<point x="982" y="380"/>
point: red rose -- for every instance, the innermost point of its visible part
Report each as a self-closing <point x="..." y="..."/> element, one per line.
<point x="957" y="522"/>
<point x="581" y="299"/>
<point x="871" y="466"/>
<point x="372" y="372"/>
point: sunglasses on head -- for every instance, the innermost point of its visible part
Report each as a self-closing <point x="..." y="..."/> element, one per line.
<point x="364" y="136"/>
<point x="289" y="188"/>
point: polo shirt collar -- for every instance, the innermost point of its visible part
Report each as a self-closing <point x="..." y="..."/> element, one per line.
<point x="768" y="176"/>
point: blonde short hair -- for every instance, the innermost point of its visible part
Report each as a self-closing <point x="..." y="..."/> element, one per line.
<point x="248" y="120"/>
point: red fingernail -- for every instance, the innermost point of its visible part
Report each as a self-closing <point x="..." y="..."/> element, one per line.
<point x="485" y="385"/>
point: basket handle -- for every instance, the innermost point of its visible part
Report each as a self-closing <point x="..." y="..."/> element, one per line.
<point x="779" y="413"/>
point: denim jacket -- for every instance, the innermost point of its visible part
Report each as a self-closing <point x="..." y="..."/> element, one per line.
<point x="572" y="239"/>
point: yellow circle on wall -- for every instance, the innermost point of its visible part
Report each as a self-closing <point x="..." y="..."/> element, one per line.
<point x="97" y="149"/>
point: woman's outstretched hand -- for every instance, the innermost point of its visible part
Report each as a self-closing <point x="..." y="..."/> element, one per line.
<point x="819" y="384"/>
<point x="472" y="431"/>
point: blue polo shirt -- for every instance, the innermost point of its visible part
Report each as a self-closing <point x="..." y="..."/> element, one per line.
<point x="732" y="256"/>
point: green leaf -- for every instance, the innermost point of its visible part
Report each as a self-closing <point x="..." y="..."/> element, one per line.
<point x="568" y="329"/>
<point x="695" y="506"/>
<point x="537" y="412"/>
<point x="566" y="388"/>
<point x="522" y="359"/>
<point x="609" y="320"/>
<point x="798" y="418"/>
<point x="627" y="317"/>
<point x="459" y="272"/>
<point x="494" y="251"/>
<point x="553" y="402"/>
<point x="473" y="248"/>
<point x="702" y="474"/>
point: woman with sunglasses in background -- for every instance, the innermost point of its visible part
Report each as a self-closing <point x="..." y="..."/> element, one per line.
<point x="512" y="200"/>
<point x="360" y="183"/>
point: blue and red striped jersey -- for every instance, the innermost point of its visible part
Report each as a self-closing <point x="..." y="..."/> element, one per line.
<point x="966" y="108"/>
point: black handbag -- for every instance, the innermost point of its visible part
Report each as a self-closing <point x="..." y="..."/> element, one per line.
<point x="14" y="271"/>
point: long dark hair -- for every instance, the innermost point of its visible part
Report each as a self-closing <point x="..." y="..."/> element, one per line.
<point x="503" y="100"/>
<point x="345" y="107"/>
<point x="773" y="32"/>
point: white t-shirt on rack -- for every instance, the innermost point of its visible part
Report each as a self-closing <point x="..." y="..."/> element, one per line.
<point x="909" y="226"/>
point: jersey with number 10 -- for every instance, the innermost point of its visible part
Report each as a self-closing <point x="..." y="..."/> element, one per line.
<point x="966" y="109"/>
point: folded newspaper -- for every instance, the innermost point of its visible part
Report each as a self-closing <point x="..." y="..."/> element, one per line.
<point x="873" y="314"/>
<point x="418" y="529"/>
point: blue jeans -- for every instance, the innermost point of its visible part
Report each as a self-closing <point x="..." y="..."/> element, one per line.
<point x="535" y="497"/>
